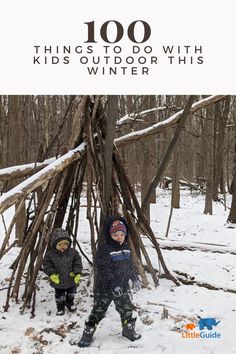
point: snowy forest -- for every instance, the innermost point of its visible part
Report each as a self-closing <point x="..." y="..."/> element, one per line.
<point x="165" y="163"/>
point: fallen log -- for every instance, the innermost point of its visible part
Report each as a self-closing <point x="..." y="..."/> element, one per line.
<point x="192" y="246"/>
<point x="167" y="180"/>
<point x="186" y="279"/>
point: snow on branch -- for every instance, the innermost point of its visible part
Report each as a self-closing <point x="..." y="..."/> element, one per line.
<point x="39" y="178"/>
<point x="20" y="171"/>
<point x="51" y="170"/>
<point x="193" y="246"/>
<point x="135" y="117"/>
<point x="28" y="169"/>
<point x="23" y="170"/>
<point x="132" y="137"/>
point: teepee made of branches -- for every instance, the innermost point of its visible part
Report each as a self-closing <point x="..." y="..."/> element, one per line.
<point x="91" y="165"/>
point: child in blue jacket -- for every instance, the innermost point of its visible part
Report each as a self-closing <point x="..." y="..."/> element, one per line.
<point x="114" y="268"/>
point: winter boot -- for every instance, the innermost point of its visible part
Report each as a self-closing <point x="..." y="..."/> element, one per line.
<point x="70" y="303"/>
<point x="60" y="302"/>
<point x="128" y="330"/>
<point x="60" y="312"/>
<point x="71" y="308"/>
<point x="87" y="336"/>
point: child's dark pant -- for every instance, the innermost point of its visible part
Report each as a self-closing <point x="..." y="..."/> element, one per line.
<point x="102" y="300"/>
<point x="65" y="296"/>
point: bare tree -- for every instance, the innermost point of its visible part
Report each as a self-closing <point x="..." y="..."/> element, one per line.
<point x="167" y="156"/>
<point x="232" y="214"/>
<point x="221" y="116"/>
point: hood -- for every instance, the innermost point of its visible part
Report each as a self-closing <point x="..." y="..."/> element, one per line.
<point x="59" y="235"/>
<point x="107" y="226"/>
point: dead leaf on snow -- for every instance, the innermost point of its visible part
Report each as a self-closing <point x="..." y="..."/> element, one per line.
<point x="29" y="331"/>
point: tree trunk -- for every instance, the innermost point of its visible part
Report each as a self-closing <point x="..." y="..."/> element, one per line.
<point x="112" y="114"/>
<point x="176" y="156"/>
<point x="167" y="156"/>
<point x="220" y="129"/>
<point x="175" y="195"/>
<point x="232" y="214"/>
<point x="148" y="169"/>
<point x="15" y="154"/>
<point x="208" y="139"/>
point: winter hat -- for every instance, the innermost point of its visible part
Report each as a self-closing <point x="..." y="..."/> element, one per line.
<point x="58" y="235"/>
<point x="118" y="225"/>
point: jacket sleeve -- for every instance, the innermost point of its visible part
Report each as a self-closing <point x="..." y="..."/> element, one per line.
<point x="77" y="263"/>
<point x="48" y="266"/>
<point x="103" y="262"/>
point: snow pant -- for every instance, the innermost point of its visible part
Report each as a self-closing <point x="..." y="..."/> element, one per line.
<point x="65" y="297"/>
<point x="102" y="300"/>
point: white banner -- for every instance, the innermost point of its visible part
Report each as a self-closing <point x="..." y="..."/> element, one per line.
<point x="123" y="47"/>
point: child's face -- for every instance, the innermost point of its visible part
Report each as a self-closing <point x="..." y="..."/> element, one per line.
<point x="62" y="246"/>
<point x="118" y="236"/>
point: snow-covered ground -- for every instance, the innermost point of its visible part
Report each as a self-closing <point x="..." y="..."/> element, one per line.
<point x="46" y="333"/>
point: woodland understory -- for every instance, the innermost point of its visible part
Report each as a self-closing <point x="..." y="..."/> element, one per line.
<point x="110" y="149"/>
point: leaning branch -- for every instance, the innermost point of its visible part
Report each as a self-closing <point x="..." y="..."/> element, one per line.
<point x="20" y="171"/>
<point x="168" y="153"/>
<point x="39" y="178"/>
<point x="156" y="128"/>
<point x="137" y="117"/>
<point x="29" y="169"/>
<point x="51" y="170"/>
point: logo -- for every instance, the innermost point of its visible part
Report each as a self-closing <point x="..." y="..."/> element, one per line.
<point x="190" y="326"/>
<point x="205" y="329"/>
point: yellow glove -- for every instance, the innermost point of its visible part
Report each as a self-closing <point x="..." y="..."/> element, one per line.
<point x="72" y="274"/>
<point x="77" y="279"/>
<point x="55" y="278"/>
